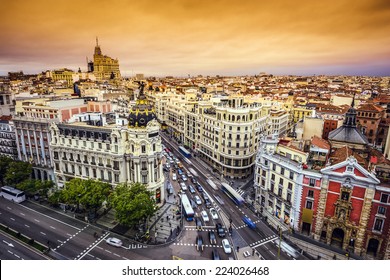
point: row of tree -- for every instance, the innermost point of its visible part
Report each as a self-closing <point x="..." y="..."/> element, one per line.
<point x="132" y="203"/>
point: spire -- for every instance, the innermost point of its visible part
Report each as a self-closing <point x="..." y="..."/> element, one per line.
<point x="353" y="101"/>
<point x="97" y="41"/>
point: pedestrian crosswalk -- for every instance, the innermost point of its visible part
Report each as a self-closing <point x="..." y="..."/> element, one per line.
<point x="263" y="241"/>
<point x="136" y="246"/>
<point x="193" y="245"/>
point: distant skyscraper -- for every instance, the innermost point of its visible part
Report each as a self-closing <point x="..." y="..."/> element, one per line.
<point x="104" y="67"/>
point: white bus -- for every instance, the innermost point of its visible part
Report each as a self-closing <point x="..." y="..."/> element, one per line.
<point x="12" y="194"/>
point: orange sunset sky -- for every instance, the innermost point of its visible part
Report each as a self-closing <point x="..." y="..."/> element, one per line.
<point x="199" y="37"/>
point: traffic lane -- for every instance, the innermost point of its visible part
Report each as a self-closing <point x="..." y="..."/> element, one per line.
<point x="12" y="249"/>
<point x="60" y="215"/>
<point x="39" y="227"/>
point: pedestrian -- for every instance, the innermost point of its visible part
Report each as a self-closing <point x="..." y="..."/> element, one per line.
<point x="253" y="251"/>
<point x="238" y="249"/>
<point x="334" y="257"/>
<point x="170" y="225"/>
<point x="171" y="231"/>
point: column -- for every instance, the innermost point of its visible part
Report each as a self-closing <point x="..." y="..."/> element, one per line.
<point x="321" y="208"/>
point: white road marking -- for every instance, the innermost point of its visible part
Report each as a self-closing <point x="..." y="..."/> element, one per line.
<point x="43" y="233"/>
<point x="272" y="253"/>
<point x="27" y="226"/>
<point x="22" y="214"/>
<point x="12" y="219"/>
<point x="52" y="227"/>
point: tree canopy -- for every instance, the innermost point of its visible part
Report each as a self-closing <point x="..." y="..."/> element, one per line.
<point x="4" y="163"/>
<point x="33" y="187"/>
<point x="90" y="194"/>
<point x="133" y="203"/>
<point x="17" y="172"/>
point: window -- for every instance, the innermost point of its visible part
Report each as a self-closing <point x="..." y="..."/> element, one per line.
<point x="378" y="224"/>
<point x="264" y="173"/>
<point x="290" y="186"/>
<point x="309" y="204"/>
<point x="312" y="182"/>
<point x="384" y="197"/>
<point x="280" y="191"/>
<point x="349" y="169"/>
<point x="288" y="197"/>
<point x="273" y="177"/>
<point x="381" y="210"/>
<point x="310" y="193"/>
<point x="143" y="148"/>
<point x="280" y="181"/>
<point x="291" y="175"/>
<point x="282" y="171"/>
<point x="273" y="166"/>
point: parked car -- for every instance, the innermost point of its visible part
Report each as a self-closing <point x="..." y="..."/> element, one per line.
<point x="249" y="222"/>
<point x="113" y="241"/>
<point x="215" y="255"/>
<point x="197" y="200"/>
<point x="220" y="230"/>
<point x="207" y="202"/>
<point x="191" y="189"/>
<point x="180" y="172"/>
<point x="199" y="243"/>
<point x="212" y="238"/>
<point x="193" y="180"/>
<point x="174" y="177"/>
<point x="205" y="217"/>
<point x="214" y="214"/>
<point x="226" y="246"/>
<point x="184" y="177"/>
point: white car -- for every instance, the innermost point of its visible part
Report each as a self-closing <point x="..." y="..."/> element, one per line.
<point x="205" y="216"/>
<point x="197" y="200"/>
<point x="214" y="214"/>
<point x="183" y="186"/>
<point x="113" y="241"/>
<point x="174" y="177"/>
<point x="226" y="246"/>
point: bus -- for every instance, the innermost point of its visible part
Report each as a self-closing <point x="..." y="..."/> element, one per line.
<point x="12" y="194"/>
<point x="187" y="208"/>
<point x="232" y="194"/>
<point x="184" y="152"/>
<point x="212" y="184"/>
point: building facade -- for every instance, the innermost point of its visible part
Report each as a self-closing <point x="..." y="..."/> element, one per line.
<point x="8" y="146"/>
<point x="104" y="67"/>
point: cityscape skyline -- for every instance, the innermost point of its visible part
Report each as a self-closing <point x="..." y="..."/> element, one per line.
<point x="186" y="38"/>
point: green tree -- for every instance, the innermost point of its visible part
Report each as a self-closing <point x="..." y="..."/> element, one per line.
<point x="132" y="203"/>
<point x="35" y="187"/>
<point x="17" y="172"/>
<point x="89" y="194"/>
<point x="4" y="163"/>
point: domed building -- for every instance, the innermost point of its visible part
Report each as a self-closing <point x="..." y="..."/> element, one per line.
<point x="142" y="112"/>
<point x="143" y="147"/>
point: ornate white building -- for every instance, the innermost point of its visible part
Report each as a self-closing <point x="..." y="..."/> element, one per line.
<point x="112" y="153"/>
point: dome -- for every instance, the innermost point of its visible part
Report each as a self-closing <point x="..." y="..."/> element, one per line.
<point x="142" y="112"/>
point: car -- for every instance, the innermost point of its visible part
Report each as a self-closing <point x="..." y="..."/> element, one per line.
<point x="191" y="189"/>
<point x="220" y="230"/>
<point x="212" y="237"/>
<point x="180" y="172"/>
<point x="171" y="162"/>
<point x="174" y="177"/>
<point x="199" y="243"/>
<point x="198" y="224"/>
<point x="199" y="187"/>
<point x="113" y="241"/>
<point x="184" y="177"/>
<point x="197" y="200"/>
<point x="207" y="202"/>
<point x="193" y="180"/>
<point x="214" y="214"/>
<point x="183" y="186"/>
<point x="249" y="222"/>
<point x="168" y="165"/>
<point x="226" y="246"/>
<point x="205" y="217"/>
<point x="215" y="255"/>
